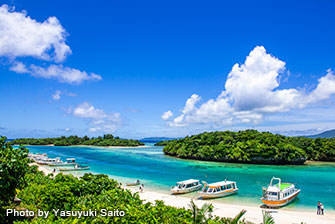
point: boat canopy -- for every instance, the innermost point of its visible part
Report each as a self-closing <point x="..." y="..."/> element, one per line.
<point x="71" y="159"/>
<point x="219" y="184"/>
<point x="190" y="181"/>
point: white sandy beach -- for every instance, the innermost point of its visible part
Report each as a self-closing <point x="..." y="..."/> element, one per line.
<point x="254" y="213"/>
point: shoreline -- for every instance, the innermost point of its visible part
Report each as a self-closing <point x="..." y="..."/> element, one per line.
<point x="139" y="146"/>
<point x="222" y="209"/>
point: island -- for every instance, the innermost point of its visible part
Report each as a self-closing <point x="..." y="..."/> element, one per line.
<point x="73" y="140"/>
<point x="251" y="146"/>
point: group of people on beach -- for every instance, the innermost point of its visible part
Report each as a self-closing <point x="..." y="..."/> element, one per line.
<point x="320" y="210"/>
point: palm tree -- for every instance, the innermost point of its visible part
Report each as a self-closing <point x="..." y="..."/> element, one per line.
<point x="267" y="218"/>
<point x="203" y="214"/>
<point x="236" y="219"/>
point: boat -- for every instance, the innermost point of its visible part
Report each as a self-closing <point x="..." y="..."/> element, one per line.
<point x="279" y="194"/>
<point x="137" y="182"/>
<point x="186" y="186"/>
<point x="218" y="189"/>
<point x="68" y="162"/>
<point x="74" y="168"/>
<point x="47" y="161"/>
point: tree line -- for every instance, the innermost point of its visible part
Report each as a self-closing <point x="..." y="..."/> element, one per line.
<point x="251" y="146"/>
<point x="106" y="140"/>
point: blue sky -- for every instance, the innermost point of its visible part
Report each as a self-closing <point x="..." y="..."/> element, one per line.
<point x="118" y="66"/>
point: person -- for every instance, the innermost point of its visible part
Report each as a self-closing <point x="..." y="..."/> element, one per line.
<point x="318" y="210"/>
<point x="141" y="187"/>
<point x="321" y="208"/>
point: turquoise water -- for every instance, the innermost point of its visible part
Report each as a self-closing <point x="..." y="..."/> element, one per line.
<point x="160" y="172"/>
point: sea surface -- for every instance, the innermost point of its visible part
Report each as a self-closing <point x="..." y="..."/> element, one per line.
<point x="159" y="172"/>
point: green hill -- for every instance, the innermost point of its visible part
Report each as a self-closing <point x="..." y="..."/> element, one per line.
<point x="325" y="134"/>
<point x="106" y="140"/>
<point x="251" y="146"/>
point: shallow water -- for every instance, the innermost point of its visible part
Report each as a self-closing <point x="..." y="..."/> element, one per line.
<point x="160" y="172"/>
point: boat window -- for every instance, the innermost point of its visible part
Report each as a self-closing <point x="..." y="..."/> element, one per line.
<point x="272" y="193"/>
<point x="218" y="189"/>
<point x="214" y="190"/>
<point x="228" y="186"/>
<point x="189" y="185"/>
<point x="210" y="190"/>
<point x="234" y="186"/>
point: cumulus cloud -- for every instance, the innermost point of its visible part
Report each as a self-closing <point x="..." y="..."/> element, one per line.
<point x="251" y="92"/>
<point x="166" y="115"/>
<point x="62" y="74"/>
<point x="56" y="95"/>
<point x="19" y="67"/>
<point x="98" y="118"/>
<point x="22" y="36"/>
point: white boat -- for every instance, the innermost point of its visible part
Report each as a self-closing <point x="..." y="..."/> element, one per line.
<point x="137" y="182"/>
<point x="218" y="189"/>
<point x="279" y="194"/>
<point x="75" y="168"/>
<point x="186" y="186"/>
<point x="68" y="162"/>
<point x="47" y="161"/>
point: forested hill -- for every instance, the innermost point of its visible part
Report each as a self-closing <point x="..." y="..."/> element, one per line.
<point x="325" y="134"/>
<point x="106" y="140"/>
<point x="251" y="146"/>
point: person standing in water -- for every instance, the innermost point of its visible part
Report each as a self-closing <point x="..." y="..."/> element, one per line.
<point x="318" y="209"/>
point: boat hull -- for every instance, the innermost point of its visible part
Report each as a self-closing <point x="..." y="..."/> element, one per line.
<point x="218" y="195"/>
<point x="186" y="190"/>
<point x="280" y="203"/>
<point x="64" y="164"/>
<point x="73" y="169"/>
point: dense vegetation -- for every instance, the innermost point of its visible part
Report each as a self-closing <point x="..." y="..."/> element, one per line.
<point x="95" y="192"/>
<point x="106" y="140"/>
<point x="251" y="146"/>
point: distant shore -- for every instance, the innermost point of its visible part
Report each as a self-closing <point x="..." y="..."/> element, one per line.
<point x="254" y="212"/>
<point x="139" y="146"/>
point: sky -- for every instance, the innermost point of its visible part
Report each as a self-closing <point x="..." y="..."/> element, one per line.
<point x="166" y="68"/>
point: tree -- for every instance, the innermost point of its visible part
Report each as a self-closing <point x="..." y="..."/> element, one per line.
<point x="203" y="214"/>
<point x="13" y="167"/>
<point x="267" y="218"/>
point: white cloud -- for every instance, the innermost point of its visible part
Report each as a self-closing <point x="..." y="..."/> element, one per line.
<point x="166" y="115"/>
<point x="98" y="118"/>
<point x="87" y="110"/>
<point x="19" y="67"/>
<point x="21" y="36"/>
<point x="56" y="95"/>
<point x="325" y="87"/>
<point x="251" y="92"/>
<point x="62" y="74"/>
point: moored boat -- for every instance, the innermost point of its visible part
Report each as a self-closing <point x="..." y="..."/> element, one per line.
<point x="74" y="168"/>
<point x="279" y="194"/>
<point x="218" y="189"/>
<point x="47" y="161"/>
<point x="186" y="186"/>
<point x="137" y="182"/>
<point x="68" y="162"/>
